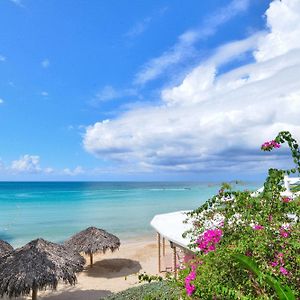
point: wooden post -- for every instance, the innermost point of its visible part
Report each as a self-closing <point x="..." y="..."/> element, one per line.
<point x="34" y="294"/>
<point x="159" y="254"/>
<point x="175" y="261"/>
<point x="91" y="259"/>
<point x="164" y="247"/>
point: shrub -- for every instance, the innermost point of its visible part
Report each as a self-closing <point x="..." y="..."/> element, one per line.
<point x="264" y="228"/>
<point x="162" y="290"/>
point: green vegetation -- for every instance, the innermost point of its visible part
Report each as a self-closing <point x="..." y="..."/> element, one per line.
<point x="253" y="249"/>
<point x="161" y="290"/>
<point x="295" y="188"/>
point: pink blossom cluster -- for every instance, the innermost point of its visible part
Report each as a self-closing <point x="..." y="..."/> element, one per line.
<point x="207" y="242"/>
<point x="279" y="261"/>
<point x="258" y="227"/>
<point x="286" y="199"/>
<point x="268" y="146"/>
<point x="190" y="288"/>
<point x="284" y="233"/>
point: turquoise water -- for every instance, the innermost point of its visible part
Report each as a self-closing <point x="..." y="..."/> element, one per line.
<point x="56" y="210"/>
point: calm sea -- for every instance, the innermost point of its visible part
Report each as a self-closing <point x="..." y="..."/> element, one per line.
<point x="56" y="210"/>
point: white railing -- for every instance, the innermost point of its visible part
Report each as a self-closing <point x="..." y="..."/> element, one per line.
<point x="290" y="180"/>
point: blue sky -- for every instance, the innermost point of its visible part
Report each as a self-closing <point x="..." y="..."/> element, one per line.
<point x="66" y="66"/>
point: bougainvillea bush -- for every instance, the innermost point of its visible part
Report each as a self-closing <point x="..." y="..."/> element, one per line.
<point x="263" y="228"/>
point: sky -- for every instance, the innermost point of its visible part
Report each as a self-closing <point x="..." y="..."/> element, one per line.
<point x="146" y="90"/>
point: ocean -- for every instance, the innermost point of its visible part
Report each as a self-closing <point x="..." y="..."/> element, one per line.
<point x="56" y="210"/>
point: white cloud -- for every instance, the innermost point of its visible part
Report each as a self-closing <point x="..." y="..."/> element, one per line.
<point x="49" y="170"/>
<point x="138" y="28"/>
<point x="213" y="121"/>
<point x="44" y="94"/>
<point x="108" y="93"/>
<point x="2" y="58"/>
<point x="283" y="30"/>
<point x="76" y="171"/>
<point x="184" y="48"/>
<point x="141" y="26"/>
<point x="1" y="101"/>
<point x="27" y="163"/>
<point x="199" y="83"/>
<point x="45" y="63"/>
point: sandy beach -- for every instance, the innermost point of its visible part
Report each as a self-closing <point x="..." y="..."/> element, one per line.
<point x="112" y="272"/>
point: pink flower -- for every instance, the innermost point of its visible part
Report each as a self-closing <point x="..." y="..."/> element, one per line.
<point x="190" y="288"/>
<point x="274" y="263"/>
<point x="286" y="199"/>
<point x="268" y="146"/>
<point x="284" y="233"/>
<point x="270" y="218"/>
<point x="258" y="227"/>
<point x="207" y="242"/>
<point x="283" y="271"/>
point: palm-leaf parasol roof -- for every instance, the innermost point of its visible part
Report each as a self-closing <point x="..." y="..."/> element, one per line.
<point x="92" y="240"/>
<point x="5" y="248"/>
<point x="37" y="265"/>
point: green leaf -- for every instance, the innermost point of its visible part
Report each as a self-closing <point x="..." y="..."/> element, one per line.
<point x="283" y="292"/>
<point x="248" y="263"/>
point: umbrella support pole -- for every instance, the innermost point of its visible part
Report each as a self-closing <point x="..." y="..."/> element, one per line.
<point x="175" y="262"/>
<point x="34" y="294"/>
<point x="173" y="246"/>
<point x="91" y="259"/>
<point x="159" y="253"/>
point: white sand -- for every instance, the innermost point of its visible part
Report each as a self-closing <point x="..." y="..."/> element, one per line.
<point x="111" y="272"/>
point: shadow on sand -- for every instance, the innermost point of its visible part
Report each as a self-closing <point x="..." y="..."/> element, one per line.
<point x="68" y="294"/>
<point x="113" y="268"/>
<point x="78" y="295"/>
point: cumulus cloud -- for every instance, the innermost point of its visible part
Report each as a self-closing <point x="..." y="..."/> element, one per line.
<point x="73" y="172"/>
<point x="27" y="163"/>
<point x="211" y="120"/>
<point x="283" y="22"/>
<point x="184" y="48"/>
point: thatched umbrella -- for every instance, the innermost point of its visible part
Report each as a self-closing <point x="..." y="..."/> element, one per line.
<point x="36" y="266"/>
<point x="5" y="248"/>
<point x="92" y="240"/>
